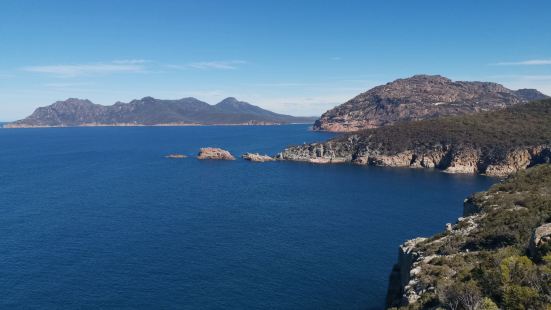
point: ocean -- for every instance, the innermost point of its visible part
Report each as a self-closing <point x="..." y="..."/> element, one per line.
<point x="98" y="218"/>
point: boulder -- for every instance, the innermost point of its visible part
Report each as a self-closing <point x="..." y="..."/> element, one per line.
<point x="214" y="153"/>
<point x="540" y="237"/>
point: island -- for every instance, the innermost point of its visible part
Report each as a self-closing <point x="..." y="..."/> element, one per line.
<point x="149" y="111"/>
<point x="214" y="153"/>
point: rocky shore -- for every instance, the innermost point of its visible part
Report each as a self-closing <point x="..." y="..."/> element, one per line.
<point x="448" y="158"/>
<point x="495" y="143"/>
<point x="178" y="124"/>
<point x="496" y="255"/>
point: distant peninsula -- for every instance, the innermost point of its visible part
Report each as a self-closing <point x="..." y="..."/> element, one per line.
<point x="150" y="111"/>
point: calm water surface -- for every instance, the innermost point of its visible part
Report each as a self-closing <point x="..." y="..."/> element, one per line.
<point x="97" y="218"/>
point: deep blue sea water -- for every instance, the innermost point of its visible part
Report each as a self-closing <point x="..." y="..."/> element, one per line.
<point x="97" y="218"/>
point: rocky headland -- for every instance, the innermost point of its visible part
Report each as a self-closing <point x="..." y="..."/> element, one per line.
<point x="495" y="143"/>
<point x="497" y="256"/>
<point x="420" y="97"/>
<point x="215" y="154"/>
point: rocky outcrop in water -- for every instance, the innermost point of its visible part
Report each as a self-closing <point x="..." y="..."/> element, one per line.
<point x="417" y="98"/>
<point x="256" y="157"/>
<point x="176" y="156"/>
<point x="214" y="153"/>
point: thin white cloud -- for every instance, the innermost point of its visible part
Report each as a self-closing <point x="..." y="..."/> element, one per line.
<point x="127" y="66"/>
<point x="65" y="85"/>
<point x="217" y="65"/>
<point x="208" y="65"/>
<point x="519" y="77"/>
<point x="87" y="69"/>
<point x="300" y="105"/>
<point x="176" y="67"/>
<point x="531" y="62"/>
<point x="130" y="61"/>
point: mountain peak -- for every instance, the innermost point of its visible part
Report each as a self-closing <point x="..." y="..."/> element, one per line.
<point x="530" y="94"/>
<point x="229" y="101"/>
<point x="148" y="99"/>
<point x="76" y="100"/>
<point x="72" y="102"/>
<point x="425" y="78"/>
<point x="420" y="97"/>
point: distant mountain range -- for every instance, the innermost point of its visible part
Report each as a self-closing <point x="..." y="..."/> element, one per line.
<point x="149" y="111"/>
<point x="420" y="97"/>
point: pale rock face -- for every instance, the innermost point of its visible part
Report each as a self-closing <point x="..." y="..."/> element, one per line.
<point x="515" y="160"/>
<point x="464" y="161"/>
<point x="432" y="159"/>
<point x="257" y="157"/>
<point x="398" y="160"/>
<point x="214" y="153"/>
<point x="448" y="158"/>
<point x="540" y="237"/>
<point x="402" y="281"/>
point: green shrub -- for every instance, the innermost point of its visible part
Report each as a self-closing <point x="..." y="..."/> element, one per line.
<point x="518" y="297"/>
<point x="488" y="304"/>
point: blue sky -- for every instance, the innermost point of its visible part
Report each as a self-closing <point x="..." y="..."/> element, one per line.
<point x="296" y="57"/>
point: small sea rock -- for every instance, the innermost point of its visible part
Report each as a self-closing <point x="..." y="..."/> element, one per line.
<point x="175" y="156"/>
<point x="214" y="153"/>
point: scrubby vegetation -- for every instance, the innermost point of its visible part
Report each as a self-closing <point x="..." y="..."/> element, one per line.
<point x="521" y="125"/>
<point x="485" y="262"/>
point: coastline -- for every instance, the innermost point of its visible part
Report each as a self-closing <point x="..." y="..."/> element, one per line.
<point x="17" y="126"/>
<point x="433" y="271"/>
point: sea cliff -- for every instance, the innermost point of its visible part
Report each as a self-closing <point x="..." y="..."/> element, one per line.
<point x="496" y="255"/>
<point x="446" y="157"/>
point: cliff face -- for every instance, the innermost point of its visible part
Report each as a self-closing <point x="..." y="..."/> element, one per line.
<point x="449" y="158"/>
<point x="151" y="111"/>
<point x="420" y="97"/>
<point x="498" y="252"/>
